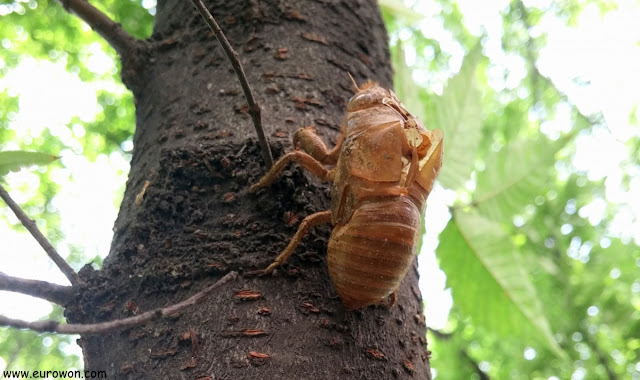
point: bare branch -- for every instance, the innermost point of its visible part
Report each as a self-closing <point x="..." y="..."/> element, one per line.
<point x="254" y="108"/>
<point x="481" y="374"/>
<point x="55" y="293"/>
<point x="602" y="357"/>
<point x="119" y="324"/>
<point x="30" y="225"/>
<point x="110" y="30"/>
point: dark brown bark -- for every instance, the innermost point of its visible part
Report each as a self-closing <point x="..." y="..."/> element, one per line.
<point x="194" y="143"/>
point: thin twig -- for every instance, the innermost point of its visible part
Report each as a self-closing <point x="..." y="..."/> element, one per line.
<point x="30" y="225"/>
<point x="602" y="357"/>
<point x="55" y="293"/>
<point x="110" y="30"/>
<point x="481" y="374"/>
<point x="119" y="324"/>
<point x="254" y="108"/>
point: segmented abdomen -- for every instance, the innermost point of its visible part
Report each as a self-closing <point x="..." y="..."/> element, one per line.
<point x="369" y="255"/>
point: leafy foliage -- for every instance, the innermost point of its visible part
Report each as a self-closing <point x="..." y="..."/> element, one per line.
<point x="15" y="160"/>
<point x="45" y="351"/>
<point x="537" y="281"/>
<point x="489" y="280"/>
<point x="513" y="177"/>
<point x="458" y="112"/>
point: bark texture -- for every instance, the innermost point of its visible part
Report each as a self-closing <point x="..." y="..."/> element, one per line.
<point x="195" y="143"/>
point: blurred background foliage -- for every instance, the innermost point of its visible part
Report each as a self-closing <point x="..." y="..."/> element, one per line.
<point x="545" y="283"/>
<point x="540" y="250"/>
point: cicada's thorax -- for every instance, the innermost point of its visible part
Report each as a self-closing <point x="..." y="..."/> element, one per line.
<point x="377" y="198"/>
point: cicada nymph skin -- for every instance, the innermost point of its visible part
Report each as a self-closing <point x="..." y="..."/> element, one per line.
<point x="385" y="163"/>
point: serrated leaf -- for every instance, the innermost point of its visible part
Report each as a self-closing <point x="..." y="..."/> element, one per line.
<point x="488" y="279"/>
<point x="514" y="176"/>
<point x="18" y="159"/>
<point x="458" y="112"/>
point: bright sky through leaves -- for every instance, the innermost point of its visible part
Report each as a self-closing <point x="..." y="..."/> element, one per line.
<point x="596" y="63"/>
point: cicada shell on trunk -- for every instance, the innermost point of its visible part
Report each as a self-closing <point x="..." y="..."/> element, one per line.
<point x="385" y="165"/>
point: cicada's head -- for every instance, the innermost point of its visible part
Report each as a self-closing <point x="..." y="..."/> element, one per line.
<point x="368" y="95"/>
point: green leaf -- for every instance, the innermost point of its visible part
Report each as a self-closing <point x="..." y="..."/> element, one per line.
<point x="458" y="112"/>
<point x="399" y="10"/>
<point x="514" y="176"/>
<point x="404" y="85"/>
<point x="16" y="160"/>
<point x="488" y="280"/>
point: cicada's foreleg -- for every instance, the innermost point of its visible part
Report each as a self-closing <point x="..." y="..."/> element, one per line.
<point x="312" y="155"/>
<point x="307" y="140"/>
<point x="429" y="171"/>
<point x="422" y="175"/>
<point x="299" y="157"/>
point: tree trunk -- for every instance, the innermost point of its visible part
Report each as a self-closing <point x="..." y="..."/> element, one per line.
<point x="195" y="144"/>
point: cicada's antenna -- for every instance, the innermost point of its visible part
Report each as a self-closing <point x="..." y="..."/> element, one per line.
<point x="354" y="82"/>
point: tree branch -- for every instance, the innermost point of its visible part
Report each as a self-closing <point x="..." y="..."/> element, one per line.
<point x="30" y="225"/>
<point x="254" y="108"/>
<point x="111" y="31"/>
<point x="602" y="357"/>
<point x="476" y="367"/>
<point x="119" y="324"/>
<point x="55" y="293"/>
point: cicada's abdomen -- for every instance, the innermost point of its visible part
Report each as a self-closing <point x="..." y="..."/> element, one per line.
<point x="370" y="254"/>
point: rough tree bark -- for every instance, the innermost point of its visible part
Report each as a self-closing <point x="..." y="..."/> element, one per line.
<point x="195" y="143"/>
